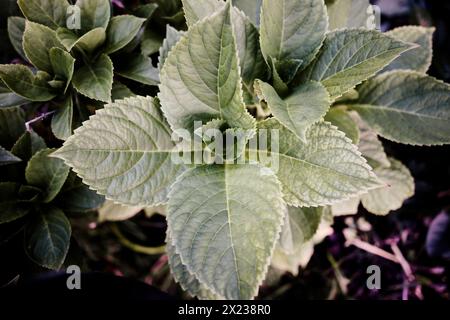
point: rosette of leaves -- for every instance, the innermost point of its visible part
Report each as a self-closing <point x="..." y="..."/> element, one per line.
<point x="295" y="74"/>
<point x="70" y="62"/>
<point x="37" y="193"/>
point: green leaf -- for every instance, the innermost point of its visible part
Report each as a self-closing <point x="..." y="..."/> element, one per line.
<point x="146" y="11"/>
<point x="62" y="120"/>
<point x="16" y="28"/>
<point x="344" y="122"/>
<point x="63" y="65"/>
<point x="120" y="91"/>
<point x="400" y="186"/>
<point x="51" y="13"/>
<point x="9" y="99"/>
<point x="151" y="42"/>
<point x="90" y="41"/>
<point x="124" y="152"/>
<point x="406" y="107"/>
<point x="67" y="37"/>
<point x="94" y="80"/>
<point x="47" y="237"/>
<point x="299" y="111"/>
<point x="111" y="211"/>
<point x="292" y="29"/>
<point x="7" y="157"/>
<point x="140" y="69"/>
<point x="347" y="207"/>
<point x="94" y="14"/>
<point x="172" y="37"/>
<point x="418" y="59"/>
<point x="37" y="42"/>
<point x="28" y="145"/>
<point x="326" y="169"/>
<point x="207" y="84"/>
<point x="251" y="8"/>
<point x="48" y="174"/>
<point x="11" y="206"/>
<point x="187" y="281"/>
<point x="12" y="126"/>
<point x="195" y="10"/>
<point x="348" y="57"/>
<point x="121" y="30"/>
<point x="350" y="14"/>
<point x="223" y="236"/>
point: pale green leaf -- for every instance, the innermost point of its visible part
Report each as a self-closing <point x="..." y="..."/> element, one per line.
<point x="406" y="107"/>
<point x="293" y="29"/>
<point x="299" y="111"/>
<point x="111" y="211"/>
<point x="347" y="207"/>
<point x="94" y="14"/>
<point x="196" y="10"/>
<point x="47" y="237"/>
<point x="172" y="37"/>
<point x="124" y="152"/>
<point x="121" y="30"/>
<point x="140" y="69"/>
<point x="48" y="174"/>
<point x="37" y="42"/>
<point x="418" y="59"/>
<point x="200" y="79"/>
<point x="223" y="236"/>
<point x="348" y="57"/>
<point x="16" y="28"/>
<point x="344" y="122"/>
<point x="63" y="65"/>
<point x="51" y="13"/>
<point x="94" y="80"/>
<point x="400" y="186"/>
<point x="7" y="157"/>
<point x="12" y="126"/>
<point x="350" y="14"/>
<point x="326" y="169"/>
<point x="251" y="8"/>
<point x="90" y="41"/>
<point x="62" y="120"/>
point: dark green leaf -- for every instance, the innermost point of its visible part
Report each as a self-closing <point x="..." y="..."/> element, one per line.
<point x="12" y="125"/>
<point x="16" y="28"/>
<point x="94" y="14"/>
<point x="62" y="120"/>
<point x="7" y="157"/>
<point x="121" y="30"/>
<point x="51" y="13"/>
<point x="63" y="65"/>
<point x="11" y="206"/>
<point x="140" y="69"/>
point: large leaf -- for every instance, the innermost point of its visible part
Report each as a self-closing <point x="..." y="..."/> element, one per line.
<point x="344" y="122"/>
<point x="305" y="106"/>
<point x="200" y="79"/>
<point x="7" y="157"/>
<point x="51" y="13"/>
<point x="94" y="14"/>
<point x="196" y="10"/>
<point x="11" y="205"/>
<point x="418" y="59"/>
<point x="140" y="69"/>
<point x="251" y="8"/>
<point x="63" y="65"/>
<point x="400" y="186"/>
<point x="12" y="126"/>
<point x="349" y="57"/>
<point x="37" y="42"/>
<point x="407" y="107"/>
<point x="121" y="30"/>
<point x="350" y="14"/>
<point x="47" y="237"/>
<point x="124" y="152"/>
<point x="326" y="169"/>
<point x="62" y="120"/>
<point x="293" y="30"/>
<point x="111" y="211"/>
<point x="48" y="174"/>
<point x="172" y="37"/>
<point x="16" y="28"/>
<point x="223" y="236"/>
<point x="24" y="83"/>
<point x="94" y="80"/>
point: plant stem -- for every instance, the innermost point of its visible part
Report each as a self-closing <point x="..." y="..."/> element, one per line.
<point x="136" y="247"/>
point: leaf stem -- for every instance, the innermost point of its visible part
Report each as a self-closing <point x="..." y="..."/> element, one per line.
<point x="136" y="247"/>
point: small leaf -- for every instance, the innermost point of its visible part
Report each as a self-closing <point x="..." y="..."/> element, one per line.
<point x="151" y="42"/>
<point x="94" y="80"/>
<point x="7" y="157"/>
<point x="348" y="57"/>
<point x="48" y="174"/>
<point x="292" y="29"/>
<point x="350" y="14"/>
<point x="12" y="126"/>
<point x="120" y="91"/>
<point x="111" y="211"/>
<point x="91" y="40"/>
<point x="211" y="226"/>
<point x="121" y="30"/>
<point x="67" y="37"/>
<point x="418" y="59"/>
<point x="400" y="186"/>
<point x="11" y="206"/>
<point x="172" y="37"/>
<point x="51" y="13"/>
<point x="344" y="122"/>
<point x="406" y="107"/>
<point x="47" y="237"/>
<point x="37" y="42"/>
<point x="124" y="152"/>
<point x="207" y="84"/>
<point x="305" y="106"/>
<point x="140" y="69"/>
<point x="62" y="120"/>
<point x="326" y="169"/>
<point x="94" y="14"/>
<point x="28" y="145"/>
<point x="16" y="28"/>
<point x="146" y="10"/>
<point x="9" y="99"/>
<point x="63" y="65"/>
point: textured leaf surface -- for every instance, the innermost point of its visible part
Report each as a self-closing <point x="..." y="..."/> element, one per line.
<point x="305" y="106"/>
<point x="251" y="8"/>
<point x="63" y="65"/>
<point x="51" y="13"/>
<point x="223" y="236"/>
<point x="89" y="41"/>
<point x="62" y="120"/>
<point x="347" y="207"/>
<point x="406" y="107"/>
<point x="349" y="57"/>
<point x="400" y="186"/>
<point x="326" y="169"/>
<point x="16" y="28"/>
<point x="124" y="152"/>
<point x="196" y="10"/>
<point x="140" y="69"/>
<point x="293" y="29"/>
<point x="94" y="80"/>
<point x="344" y="122"/>
<point x="94" y="14"/>
<point x="200" y="79"/>
<point x="111" y="211"/>
<point x="48" y="174"/>
<point x="121" y="30"/>
<point x="172" y="37"/>
<point x="349" y="14"/>
<point x="417" y="59"/>
<point x="47" y="237"/>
